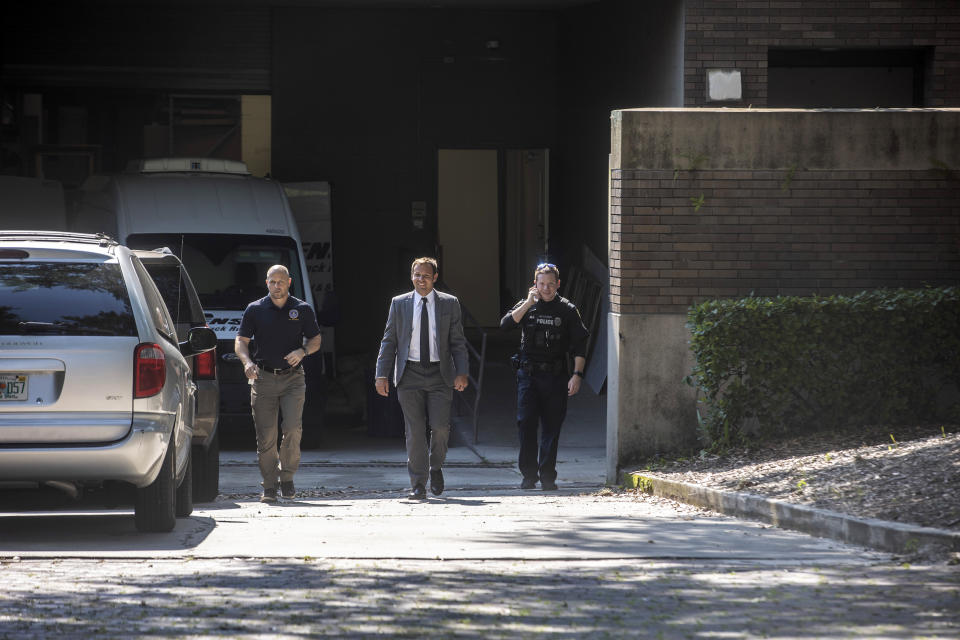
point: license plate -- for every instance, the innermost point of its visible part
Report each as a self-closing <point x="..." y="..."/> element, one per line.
<point x="13" y="386"/>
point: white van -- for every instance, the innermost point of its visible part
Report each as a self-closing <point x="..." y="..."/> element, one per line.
<point x="227" y="227"/>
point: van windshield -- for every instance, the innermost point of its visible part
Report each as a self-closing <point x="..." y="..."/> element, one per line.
<point x="228" y="270"/>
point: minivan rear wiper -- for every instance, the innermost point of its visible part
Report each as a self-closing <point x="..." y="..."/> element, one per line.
<point x="32" y="326"/>
<point x="42" y="327"/>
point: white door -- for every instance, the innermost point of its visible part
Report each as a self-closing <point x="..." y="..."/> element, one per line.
<point x="468" y="229"/>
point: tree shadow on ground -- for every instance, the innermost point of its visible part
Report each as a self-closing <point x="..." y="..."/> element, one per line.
<point x="360" y="599"/>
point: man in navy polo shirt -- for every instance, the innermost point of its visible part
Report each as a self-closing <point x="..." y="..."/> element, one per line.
<point x="279" y="323"/>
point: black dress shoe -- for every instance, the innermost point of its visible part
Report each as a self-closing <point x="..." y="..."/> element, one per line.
<point x="436" y="482"/>
<point x="418" y="493"/>
<point x="548" y="485"/>
<point x="529" y="483"/>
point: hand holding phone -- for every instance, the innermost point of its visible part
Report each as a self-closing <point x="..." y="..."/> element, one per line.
<point x="532" y="295"/>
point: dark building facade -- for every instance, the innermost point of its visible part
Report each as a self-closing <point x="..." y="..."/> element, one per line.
<point x="364" y="96"/>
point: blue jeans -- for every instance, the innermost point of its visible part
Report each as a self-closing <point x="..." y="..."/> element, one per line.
<point x="541" y="403"/>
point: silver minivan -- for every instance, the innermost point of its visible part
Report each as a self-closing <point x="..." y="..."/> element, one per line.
<point x="95" y="387"/>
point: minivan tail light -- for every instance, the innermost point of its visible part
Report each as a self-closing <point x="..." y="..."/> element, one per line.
<point x="149" y="370"/>
<point x="205" y="365"/>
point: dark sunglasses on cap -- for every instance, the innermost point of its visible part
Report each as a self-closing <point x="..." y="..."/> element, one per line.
<point x="546" y="265"/>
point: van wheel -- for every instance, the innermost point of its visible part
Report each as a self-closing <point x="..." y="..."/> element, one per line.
<point x="185" y="490"/>
<point x="154" y="508"/>
<point x="206" y="470"/>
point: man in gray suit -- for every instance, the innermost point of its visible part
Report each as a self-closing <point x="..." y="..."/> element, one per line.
<point x="423" y="345"/>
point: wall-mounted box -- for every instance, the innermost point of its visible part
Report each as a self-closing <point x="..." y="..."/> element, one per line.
<point x="723" y="85"/>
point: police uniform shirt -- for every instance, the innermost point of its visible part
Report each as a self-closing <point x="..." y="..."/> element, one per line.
<point x="278" y="330"/>
<point x="550" y="330"/>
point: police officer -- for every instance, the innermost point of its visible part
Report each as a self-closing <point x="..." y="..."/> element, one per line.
<point x="551" y="329"/>
<point x="279" y="323"/>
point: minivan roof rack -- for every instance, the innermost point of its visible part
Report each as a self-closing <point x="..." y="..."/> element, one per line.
<point x="100" y="239"/>
<point x="187" y="165"/>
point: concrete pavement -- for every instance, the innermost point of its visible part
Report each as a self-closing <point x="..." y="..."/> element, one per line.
<point x="475" y="524"/>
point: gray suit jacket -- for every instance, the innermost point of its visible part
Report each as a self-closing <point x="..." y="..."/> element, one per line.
<point x="452" y="346"/>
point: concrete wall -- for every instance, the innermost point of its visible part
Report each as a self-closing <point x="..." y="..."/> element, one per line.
<point x="768" y="139"/>
<point x="709" y="203"/>
<point x="648" y="409"/>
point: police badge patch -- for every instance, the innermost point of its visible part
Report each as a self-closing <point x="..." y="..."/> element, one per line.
<point x="557" y="321"/>
<point x="294" y="314"/>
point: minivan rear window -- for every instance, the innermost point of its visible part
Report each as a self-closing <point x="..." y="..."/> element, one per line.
<point x="229" y="271"/>
<point x="64" y="298"/>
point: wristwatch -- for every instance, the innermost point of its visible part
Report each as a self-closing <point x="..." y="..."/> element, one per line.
<point x="578" y="373"/>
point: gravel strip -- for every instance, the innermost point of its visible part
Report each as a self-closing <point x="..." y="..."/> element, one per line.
<point x="906" y="475"/>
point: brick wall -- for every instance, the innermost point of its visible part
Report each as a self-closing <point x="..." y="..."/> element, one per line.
<point x="736" y="34"/>
<point x="789" y="232"/>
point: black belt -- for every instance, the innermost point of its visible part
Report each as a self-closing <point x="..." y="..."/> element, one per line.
<point x="277" y="372"/>
<point x="437" y="364"/>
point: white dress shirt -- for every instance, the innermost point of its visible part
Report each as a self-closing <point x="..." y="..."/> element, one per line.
<point x="414" y="352"/>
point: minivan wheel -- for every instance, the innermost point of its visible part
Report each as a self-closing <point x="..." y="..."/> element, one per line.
<point x="185" y="490"/>
<point x="154" y="508"/>
<point x="206" y="470"/>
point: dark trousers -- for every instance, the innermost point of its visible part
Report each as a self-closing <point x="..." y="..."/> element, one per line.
<point x="541" y="402"/>
<point x="425" y="399"/>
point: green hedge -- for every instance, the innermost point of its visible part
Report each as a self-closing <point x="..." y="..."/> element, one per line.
<point x="804" y="364"/>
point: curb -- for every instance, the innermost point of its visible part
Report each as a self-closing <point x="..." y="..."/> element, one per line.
<point x="882" y="535"/>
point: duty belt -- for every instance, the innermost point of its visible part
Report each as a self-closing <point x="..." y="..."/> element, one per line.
<point x="534" y="366"/>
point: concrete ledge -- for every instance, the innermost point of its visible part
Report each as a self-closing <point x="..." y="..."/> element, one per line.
<point x="866" y="532"/>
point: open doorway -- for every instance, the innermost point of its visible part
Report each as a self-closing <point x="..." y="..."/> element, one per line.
<point x="526" y="218"/>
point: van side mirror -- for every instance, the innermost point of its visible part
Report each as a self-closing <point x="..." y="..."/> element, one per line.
<point x="199" y="340"/>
